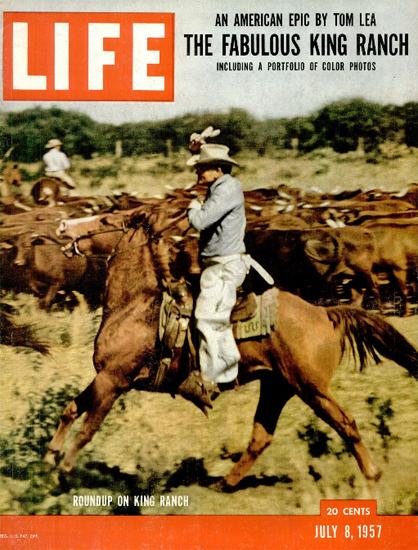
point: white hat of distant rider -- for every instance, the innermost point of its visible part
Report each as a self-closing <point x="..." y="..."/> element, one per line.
<point x="53" y="143"/>
<point x="212" y="153"/>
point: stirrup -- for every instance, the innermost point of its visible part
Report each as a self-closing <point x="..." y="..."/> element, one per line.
<point x="199" y="392"/>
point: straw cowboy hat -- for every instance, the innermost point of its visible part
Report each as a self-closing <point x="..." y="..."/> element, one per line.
<point x="211" y="153"/>
<point x="53" y="143"/>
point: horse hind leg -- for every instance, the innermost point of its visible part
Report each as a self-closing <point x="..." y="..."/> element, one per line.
<point x="274" y="394"/>
<point x="344" y="424"/>
<point x="71" y="412"/>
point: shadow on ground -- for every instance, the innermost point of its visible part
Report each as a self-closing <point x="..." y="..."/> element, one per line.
<point x="192" y="472"/>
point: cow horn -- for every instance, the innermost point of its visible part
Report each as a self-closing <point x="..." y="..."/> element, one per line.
<point x="326" y="250"/>
<point x="331" y="223"/>
<point x="284" y="195"/>
<point x="401" y="193"/>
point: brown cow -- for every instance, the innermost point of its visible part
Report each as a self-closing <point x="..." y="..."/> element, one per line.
<point x="397" y="258"/>
<point x="352" y="278"/>
<point x="78" y="207"/>
<point x="320" y="265"/>
<point x="341" y="213"/>
<point x="369" y="215"/>
<point x="408" y="194"/>
<point x="12" y="277"/>
<point x="49" y="272"/>
<point x="323" y="265"/>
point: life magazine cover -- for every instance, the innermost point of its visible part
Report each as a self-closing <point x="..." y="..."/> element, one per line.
<point x="137" y="140"/>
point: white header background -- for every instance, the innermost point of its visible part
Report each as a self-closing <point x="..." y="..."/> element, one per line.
<point x="200" y="88"/>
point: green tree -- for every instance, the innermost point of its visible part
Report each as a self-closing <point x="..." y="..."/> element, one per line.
<point x="341" y="125"/>
<point x="28" y="131"/>
<point x="411" y="124"/>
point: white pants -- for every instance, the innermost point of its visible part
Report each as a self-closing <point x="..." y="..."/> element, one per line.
<point x="62" y="175"/>
<point x="218" y="352"/>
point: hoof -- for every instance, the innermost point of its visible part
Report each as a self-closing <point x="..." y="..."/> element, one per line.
<point x="218" y="487"/>
<point x="65" y="469"/>
<point x="378" y="476"/>
<point x="375" y="476"/>
<point x="222" y="487"/>
<point x="51" y="458"/>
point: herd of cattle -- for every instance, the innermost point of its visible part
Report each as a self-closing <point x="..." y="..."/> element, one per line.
<point x="348" y="247"/>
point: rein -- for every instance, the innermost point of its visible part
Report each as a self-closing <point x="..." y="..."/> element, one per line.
<point x="124" y="229"/>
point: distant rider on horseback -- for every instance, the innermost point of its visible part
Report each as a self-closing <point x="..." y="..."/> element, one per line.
<point x="220" y="218"/>
<point x="56" y="163"/>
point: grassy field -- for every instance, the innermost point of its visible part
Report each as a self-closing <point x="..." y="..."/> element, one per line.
<point x="149" y="175"/>
<point x="155" y="445"/>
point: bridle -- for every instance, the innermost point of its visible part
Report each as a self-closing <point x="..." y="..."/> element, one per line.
<point x="109" y="257"/>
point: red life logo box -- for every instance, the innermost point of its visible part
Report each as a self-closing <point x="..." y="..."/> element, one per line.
<point x="88" y="56"/>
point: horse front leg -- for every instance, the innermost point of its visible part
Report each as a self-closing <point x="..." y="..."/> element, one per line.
<point x="104" y="393"/>
<point x="71" y="412"/>
<point x="274" y="394"/>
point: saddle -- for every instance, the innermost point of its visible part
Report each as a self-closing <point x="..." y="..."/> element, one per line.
<point x="253" y="316"/>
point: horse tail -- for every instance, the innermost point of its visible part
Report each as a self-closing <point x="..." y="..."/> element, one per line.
<point x="20" y="335"/>
<point x="369" y="335"/>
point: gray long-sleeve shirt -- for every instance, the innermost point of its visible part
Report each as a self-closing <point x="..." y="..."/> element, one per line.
<point x="221" y="220"/>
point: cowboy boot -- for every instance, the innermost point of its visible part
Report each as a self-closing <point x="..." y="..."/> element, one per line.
<point x="199" y="391"/>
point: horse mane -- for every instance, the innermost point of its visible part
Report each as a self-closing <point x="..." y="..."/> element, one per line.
<point x="155" y="220"/>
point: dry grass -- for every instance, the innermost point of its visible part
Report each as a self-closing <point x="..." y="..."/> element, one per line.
<point x="148" y="176"/>
<point x="154" y="444"/>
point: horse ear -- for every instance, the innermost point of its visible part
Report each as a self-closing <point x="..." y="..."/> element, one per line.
<point x="136" y="219"/>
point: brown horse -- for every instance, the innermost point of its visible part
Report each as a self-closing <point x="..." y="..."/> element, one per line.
<point x="46" y="191"/>
<point x="10" y="176"/>
<point x="299" y="357"/>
